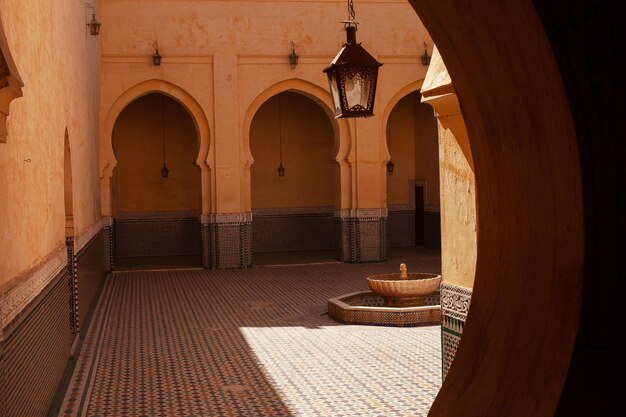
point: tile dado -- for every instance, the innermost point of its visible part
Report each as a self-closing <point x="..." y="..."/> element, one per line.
<point x="455" y="303"/>
<point x="39" y="312"/>
<point x="22" y="290"/>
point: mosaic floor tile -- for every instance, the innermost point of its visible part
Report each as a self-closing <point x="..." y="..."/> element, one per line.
<point x="253" y="342"/>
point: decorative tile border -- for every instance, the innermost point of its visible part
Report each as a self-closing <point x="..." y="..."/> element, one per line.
<point x="29" y="284"/>
<point x="143" y="215"/>
<point x="84" y="237"/>
<point x="226" y="218"/>
<point x="292" y="211"/>
<point x="455" y="303"/>
<point x="362" y="214"/>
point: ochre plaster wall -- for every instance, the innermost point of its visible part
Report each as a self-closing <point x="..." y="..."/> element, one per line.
<point x="458" y="184"/>
<point x="138" y="144"/>
<point x="307" y="147"/>
<point x="59" y="63"/>
<point x="412" y="128"/>
<point x="227" y="54"/>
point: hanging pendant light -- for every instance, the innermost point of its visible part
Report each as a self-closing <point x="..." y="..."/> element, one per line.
<point x="352" y="75"/>
<point x="164" y="171"/>
<point x="281" y="168"/>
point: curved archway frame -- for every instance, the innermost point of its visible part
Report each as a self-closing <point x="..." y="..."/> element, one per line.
<point x="395" y="99"/>
<point x="107" y="157"/>
<point x="341" y="130"/>
<point x="520" y="332"/>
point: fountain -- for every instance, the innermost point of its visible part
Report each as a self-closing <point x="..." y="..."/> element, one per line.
<point x="400" y="299"/>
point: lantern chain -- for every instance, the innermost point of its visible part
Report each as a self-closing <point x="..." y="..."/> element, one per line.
<point x="351" y="12"/>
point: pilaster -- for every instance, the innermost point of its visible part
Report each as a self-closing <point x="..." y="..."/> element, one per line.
<point x="226" y="240"/>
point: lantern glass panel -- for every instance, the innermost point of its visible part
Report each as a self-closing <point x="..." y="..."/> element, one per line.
<point x="334" y="90"/>
<point x="357" y="87"/>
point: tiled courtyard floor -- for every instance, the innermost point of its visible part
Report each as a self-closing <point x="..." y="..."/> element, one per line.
<point x="253" y="342"/>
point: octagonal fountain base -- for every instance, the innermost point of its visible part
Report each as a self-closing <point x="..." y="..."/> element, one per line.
<point x="368" y="308"/>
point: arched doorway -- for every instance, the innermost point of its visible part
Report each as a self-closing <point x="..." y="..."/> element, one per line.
<point x="156" y="194"/>
<point x="413" y="175"/>
<point x="293" y="180"/>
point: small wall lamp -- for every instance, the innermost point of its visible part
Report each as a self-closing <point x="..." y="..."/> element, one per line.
<point x="93" y="24"/>
<point x="293" y="57"/>
<point x="156" y="57"/>
<point x="425" y="57"/>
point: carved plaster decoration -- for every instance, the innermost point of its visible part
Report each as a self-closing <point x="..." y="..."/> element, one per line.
<point x="30" y="285"/>
<point x="362" y="214"/>
<point x="10" y="83"/>
<point x="455" y="301"/>
<point x="226" y="218"/>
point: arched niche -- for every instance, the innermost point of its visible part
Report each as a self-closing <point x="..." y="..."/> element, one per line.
<point x="108" y="160"/>
<point x="341" y="131"/>
<point x="293" y="211"/>
<point x="412" y="186"/>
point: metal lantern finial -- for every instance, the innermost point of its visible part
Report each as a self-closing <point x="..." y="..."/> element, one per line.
<point x="93" y="24"/>
<point x="156" y="57"/>
<point x="425" y="57"/>
<point x="352" y="75"/>
<point x="293" y="57"/>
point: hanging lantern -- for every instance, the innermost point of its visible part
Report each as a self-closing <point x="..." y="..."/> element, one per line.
<point x="164" y="171"/>
<point x="352" y="76"/>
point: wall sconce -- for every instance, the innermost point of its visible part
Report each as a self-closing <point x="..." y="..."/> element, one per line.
<point x="390" y="166"/>
<point x="352" y="75"/>
<point x="281" y="168"/>
<point x="425" y="57"/>
<point x="93" y="25"/>
<point x="293" y="57"/>
<point x="156" y="58"/>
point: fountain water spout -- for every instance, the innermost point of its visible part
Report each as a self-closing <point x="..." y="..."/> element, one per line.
<point x="403" y="270"/>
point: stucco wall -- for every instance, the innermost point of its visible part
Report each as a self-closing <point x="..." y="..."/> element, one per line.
<point x="226" y="56"/>
<point x="59" y="63"/>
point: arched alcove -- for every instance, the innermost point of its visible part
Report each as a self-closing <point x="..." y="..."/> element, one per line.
<point x="293" y="209"/>
<point x="412" y="174"/>
<point x="156" y="191"/>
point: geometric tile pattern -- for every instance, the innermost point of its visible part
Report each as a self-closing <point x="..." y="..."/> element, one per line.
<point x="455" y="304"/>
<point x="249" y="342"/>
